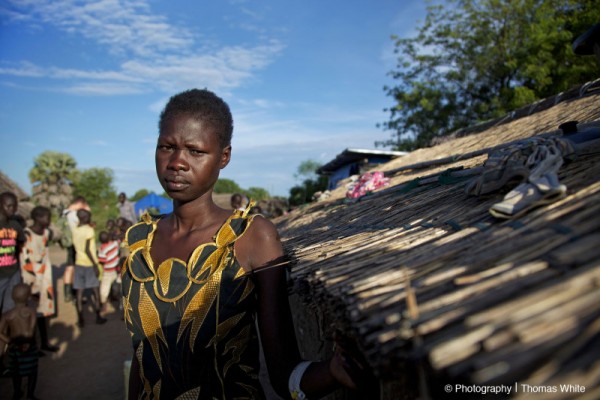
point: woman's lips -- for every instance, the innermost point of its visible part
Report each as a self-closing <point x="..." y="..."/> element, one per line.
<point x="175" y="183"/>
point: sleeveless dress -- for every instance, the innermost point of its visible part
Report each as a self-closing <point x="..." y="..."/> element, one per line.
<point x="192" y="322"/>
<point x="36" y="270"/>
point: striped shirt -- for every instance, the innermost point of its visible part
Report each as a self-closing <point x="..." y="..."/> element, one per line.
<point x="108" y="255"/>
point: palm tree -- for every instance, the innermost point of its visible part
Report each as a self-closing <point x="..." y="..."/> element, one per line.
<point x="52" y="176"/>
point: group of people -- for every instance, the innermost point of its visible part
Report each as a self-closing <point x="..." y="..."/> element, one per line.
<point x="90" y="266"/>
<point x="27" y="293"/>
<point x="25" y="270"/>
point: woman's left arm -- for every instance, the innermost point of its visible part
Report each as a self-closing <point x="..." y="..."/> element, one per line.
<point x="263" y="253"/>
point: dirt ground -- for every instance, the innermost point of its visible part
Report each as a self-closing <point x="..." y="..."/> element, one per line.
<point x="89" y="363"/>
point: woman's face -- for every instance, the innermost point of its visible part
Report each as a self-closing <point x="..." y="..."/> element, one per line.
<point x="189" y="158"/>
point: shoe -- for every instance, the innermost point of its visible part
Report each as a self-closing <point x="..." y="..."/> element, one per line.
<point x="80" y="321"/>
<point x="100" y="320"/>
<point x="527" y="196"/>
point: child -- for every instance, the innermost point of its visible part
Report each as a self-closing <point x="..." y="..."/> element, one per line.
<point x="70" y="214"/>
<point x="17" y="327"/>
<point x="86" y="265"/>
<point x="108" y="255"/>
<point x="191" y="297"/>
<point x="111" y="227"/>
<point x="36" y="269"/>
<point x="12" y="238"/>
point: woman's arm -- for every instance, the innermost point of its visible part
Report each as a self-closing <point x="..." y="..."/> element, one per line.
<point x="263" y="251"/>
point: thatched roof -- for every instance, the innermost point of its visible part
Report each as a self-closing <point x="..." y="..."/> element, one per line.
<point x="8" y="185"/>
<point x="424" y="276"/>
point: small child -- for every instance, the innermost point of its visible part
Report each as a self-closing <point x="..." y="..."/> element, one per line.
<point x="108" y="255"/>
<point x="17" y="329"/>
<point x="86" y="265"/>
<point x="36" y="270"/>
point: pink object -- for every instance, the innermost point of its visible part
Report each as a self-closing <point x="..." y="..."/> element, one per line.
<point x="368" y="182"/>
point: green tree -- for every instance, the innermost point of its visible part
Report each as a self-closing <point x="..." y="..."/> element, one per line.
<point x="307" y="169"/>
<point x="52" y="177"/>
<point x="139" y="194"/>
<point x="311" y="183"/>
<point x="257" y="193"/>
<point x="303" y="193"/>
<point x="479" y="59"/>
<point x="96" y="185"/>
<point x="225" y="185"/>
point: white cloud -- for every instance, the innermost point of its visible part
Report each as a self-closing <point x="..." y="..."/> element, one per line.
<point x="156" y="55"/>
<point x="122" y="26"/>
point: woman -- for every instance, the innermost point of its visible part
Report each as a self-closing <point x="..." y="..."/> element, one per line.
<point x="197" y="279"/>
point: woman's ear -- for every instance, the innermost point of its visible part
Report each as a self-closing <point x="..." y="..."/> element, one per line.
<point x="225" y="156"/>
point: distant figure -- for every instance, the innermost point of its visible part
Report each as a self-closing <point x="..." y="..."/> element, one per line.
<point x="36" y="270"/>
<point x="122" y="225"/>
<point x="108" y="255"/>
<point x="256" y="210"/>
<point x="70" y="214"/>
<point x="17" y="329"/>
<point x="126" y="209"/>
<point x="238" y="202"/>
<point x="111" y="226"/>
<point x="12" y="238"/>
<point x="86" y="266"/>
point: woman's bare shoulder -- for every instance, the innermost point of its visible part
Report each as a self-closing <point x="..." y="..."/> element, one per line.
<point x="260" y="244"/>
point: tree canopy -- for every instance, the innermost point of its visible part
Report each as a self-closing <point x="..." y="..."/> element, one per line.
<point x="96" y="185"/>
<point x="225" y="185"/>
<point x="51" y="177"/>
<point x="311" y="183"/>
<point x="476" y="60"/>
<point x="257" y="193"/>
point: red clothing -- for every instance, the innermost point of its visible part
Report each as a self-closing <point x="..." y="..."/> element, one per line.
<point x="108" y="255"/>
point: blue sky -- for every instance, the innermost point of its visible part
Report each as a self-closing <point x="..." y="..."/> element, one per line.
<point x="304" y="80"/>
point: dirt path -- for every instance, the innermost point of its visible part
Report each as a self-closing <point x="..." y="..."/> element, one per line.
<point x="89" y="364"/>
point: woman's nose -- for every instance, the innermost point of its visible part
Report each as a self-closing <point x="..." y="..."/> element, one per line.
<point x="177" y="161"/>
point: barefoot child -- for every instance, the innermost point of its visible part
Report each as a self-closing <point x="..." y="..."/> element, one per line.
<point x="17" y="327"/>
<point x="36" y="270"/>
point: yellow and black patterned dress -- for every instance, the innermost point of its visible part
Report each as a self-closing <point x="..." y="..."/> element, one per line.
<point x="192" y="323"/>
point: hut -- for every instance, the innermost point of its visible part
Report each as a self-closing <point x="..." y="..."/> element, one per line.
<point x="442" y="298"/>
<point x="353" y="162"/>
<point x="25" y="204"/>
